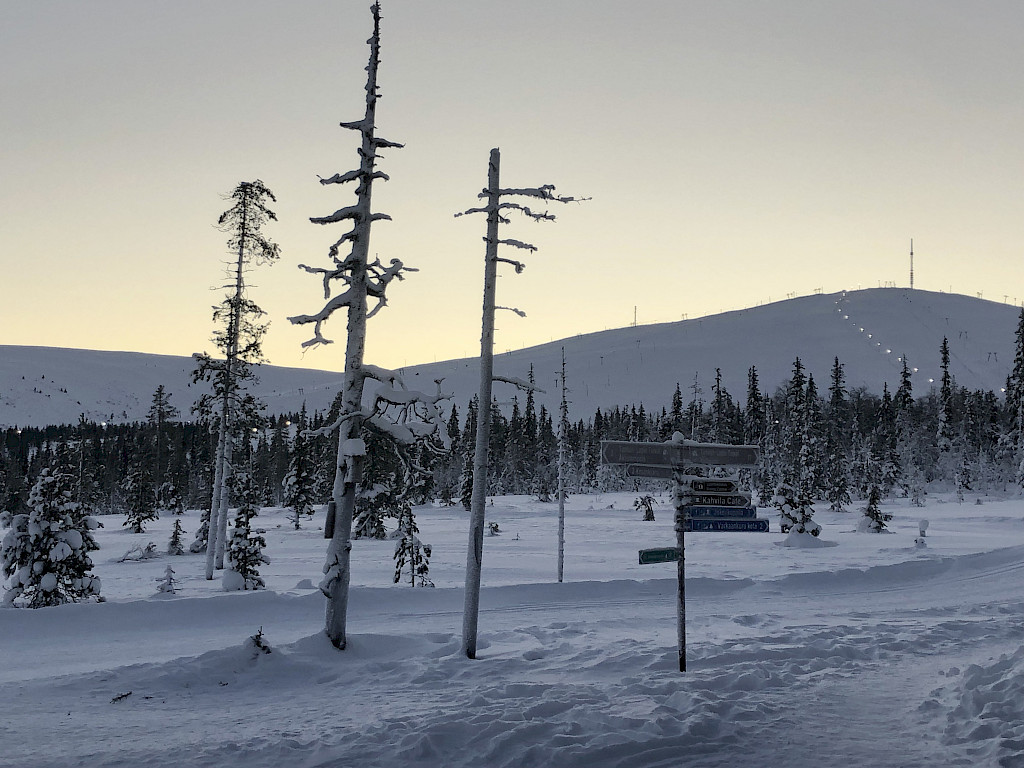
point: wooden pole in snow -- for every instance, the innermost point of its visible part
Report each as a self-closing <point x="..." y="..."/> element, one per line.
<point x="478" y="500"/>
<point x="563" y="419"/>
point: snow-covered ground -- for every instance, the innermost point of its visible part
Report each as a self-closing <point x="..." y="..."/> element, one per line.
<point x="874" y="652"/>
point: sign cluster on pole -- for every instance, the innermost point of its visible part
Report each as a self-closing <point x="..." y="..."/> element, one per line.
<point x="713" y="505"/>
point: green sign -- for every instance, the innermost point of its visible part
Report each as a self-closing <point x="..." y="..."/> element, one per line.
<point x="664" y="555"/>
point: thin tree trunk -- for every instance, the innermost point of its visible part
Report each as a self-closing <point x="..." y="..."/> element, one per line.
<point x="218" y="483"/>
<point x="222" y="518"/>
<point x="350" y="456"/>
<point x="474" y="557"/>
<point x="219" y="521"/>
<point x="562" y="419"/>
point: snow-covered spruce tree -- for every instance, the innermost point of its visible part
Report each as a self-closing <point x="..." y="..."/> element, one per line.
<point x="246" y="545"/>
<point x="298" y="483"/>
<point x="239" y="337"/>
<point x="874" y="519"/>
<point x="44" y="552"/>
<point x="796" y="512"/>
<point x="410" y="552"/>
<point x="167" y="582"/>
<point x="1013" y="440"/>
<point x="416" y="412"/>
<point x="139" y="497"/>
<point x="160" y="413"/>
<point x="169" y="499"/>
<point x="837" y="462"/>
<point x="497" y="209"/>
<point x="563" y="470"/>
<point x="176" y="546"/>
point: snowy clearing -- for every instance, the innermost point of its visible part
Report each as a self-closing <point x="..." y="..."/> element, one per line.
<point x="873" y="652"/>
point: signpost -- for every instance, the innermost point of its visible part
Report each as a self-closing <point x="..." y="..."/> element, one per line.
<point x="702" y="504"/>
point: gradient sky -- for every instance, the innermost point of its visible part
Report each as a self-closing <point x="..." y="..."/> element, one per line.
<point x="735" y="152"/>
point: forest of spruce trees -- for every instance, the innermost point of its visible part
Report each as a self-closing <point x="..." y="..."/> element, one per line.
<point x="832" y="443"/>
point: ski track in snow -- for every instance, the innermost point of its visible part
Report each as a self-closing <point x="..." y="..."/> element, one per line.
<point x="913" y="663"/>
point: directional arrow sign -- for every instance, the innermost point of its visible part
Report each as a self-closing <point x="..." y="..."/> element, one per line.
<point x="678" y="454"/>
<point x="700" y="485"/>
<point x="720" y="512"/>
<point x="758" y="525"/>
<point x="664" y="555"/>
<point x="715" y="500"/>
<point x="649" y="470"/>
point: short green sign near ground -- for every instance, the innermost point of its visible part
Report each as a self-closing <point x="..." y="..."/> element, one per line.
<point x="664" y="555"/>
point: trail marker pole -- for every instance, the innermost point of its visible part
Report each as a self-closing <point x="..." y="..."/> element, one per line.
<point x="718" y="502"/>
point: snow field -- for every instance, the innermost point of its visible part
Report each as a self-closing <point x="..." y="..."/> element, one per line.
<point x="874" y="652"/>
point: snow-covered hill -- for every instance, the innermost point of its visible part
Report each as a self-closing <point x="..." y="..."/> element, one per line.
<point x="868" y="330"/>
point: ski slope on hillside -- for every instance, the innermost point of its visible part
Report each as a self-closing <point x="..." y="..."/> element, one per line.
<point x="868" y="330"/>
<point x="874" y="652"/>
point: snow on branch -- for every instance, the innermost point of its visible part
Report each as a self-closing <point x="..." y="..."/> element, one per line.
<point x="349" y="212"/>
<point x="328" y="428"/>
<point x="341" y="300"/>
<point x="535" y="215"/>
<point x="519" y="266"/>
<point x="358" y="125"/>
<point x="516" y="244"/>
<point x="385" y="144"/>
<point x="341" y="178"/>
<point x="513" y="309"/>
<point x="545" y="192"/>
<point x="471" y="210"/>
<point x="519" y="383"/>
<point x="411" y="414"/>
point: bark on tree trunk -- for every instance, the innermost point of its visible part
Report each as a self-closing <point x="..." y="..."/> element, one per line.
<point x="474" y="556"/>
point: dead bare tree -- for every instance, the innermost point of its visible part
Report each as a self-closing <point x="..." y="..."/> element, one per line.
<point x="405" y="415"/>
<point x="497" y="208"/>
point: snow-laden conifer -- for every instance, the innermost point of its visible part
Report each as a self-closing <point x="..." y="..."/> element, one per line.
<point x="796" y="511"/>
<point x="176" y="545"/>
<point x="44" y="552"/>
<point x="410" y="552"/>
<point x="167" y="582"/>
<point x="238" y="336"/>
<point x="139" y="497"/>
<point x="299" y="481"/>
<point x="246" y="544"/>
<point x="874" y="519"/>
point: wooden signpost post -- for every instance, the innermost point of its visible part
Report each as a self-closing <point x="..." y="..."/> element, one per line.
<point x="702" y="504"/>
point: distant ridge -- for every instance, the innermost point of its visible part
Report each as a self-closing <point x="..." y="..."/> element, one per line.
<point x="626" y="366"/>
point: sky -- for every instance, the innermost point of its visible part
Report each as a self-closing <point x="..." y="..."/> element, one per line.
<point x="735" y="153"/>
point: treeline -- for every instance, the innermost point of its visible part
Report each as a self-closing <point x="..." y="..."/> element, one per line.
<point x="833" y="444"/>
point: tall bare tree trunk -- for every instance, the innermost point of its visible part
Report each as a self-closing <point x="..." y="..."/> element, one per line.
<point x="350" y="450"/>
<point x="563" y="419"/>
<point x="478" y="499"/>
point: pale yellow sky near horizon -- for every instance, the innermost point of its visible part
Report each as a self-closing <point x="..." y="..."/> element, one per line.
<point x="735" y="153"/>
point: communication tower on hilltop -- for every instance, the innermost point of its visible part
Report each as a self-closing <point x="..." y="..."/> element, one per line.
<point x="911" y="263"/>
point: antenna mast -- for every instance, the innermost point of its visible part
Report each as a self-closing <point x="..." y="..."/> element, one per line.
<point x="911" y="263"/>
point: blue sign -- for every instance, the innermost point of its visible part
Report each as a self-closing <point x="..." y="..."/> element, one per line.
<point x="757" y="525"/>
<point x="720" y="512"/>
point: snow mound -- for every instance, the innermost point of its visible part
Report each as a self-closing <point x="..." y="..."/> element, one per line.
<point x="804" y="541"/>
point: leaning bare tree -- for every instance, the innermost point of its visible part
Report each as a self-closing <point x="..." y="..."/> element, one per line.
<point x="497" y="208"/>
<point x="239" y="338"/>
<point x="405" y="415"/>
